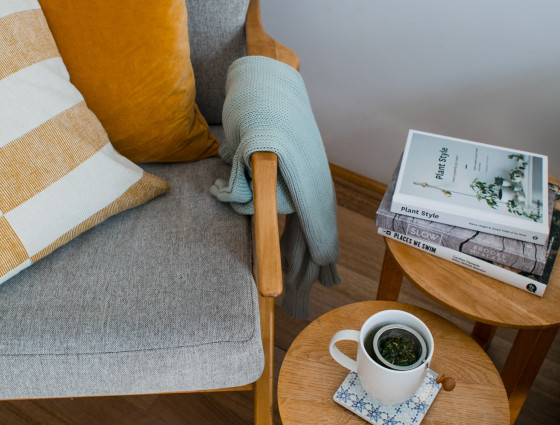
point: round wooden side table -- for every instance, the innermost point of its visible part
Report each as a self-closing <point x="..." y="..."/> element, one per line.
<point x="309" y="376"/>
<point x="489" y="302"/>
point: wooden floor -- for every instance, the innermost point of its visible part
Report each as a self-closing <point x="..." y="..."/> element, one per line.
<point x="361" y="255"/>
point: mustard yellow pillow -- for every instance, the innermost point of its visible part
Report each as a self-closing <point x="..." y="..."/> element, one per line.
<point x="131" y="61"/>
<point x="59" y="174"/>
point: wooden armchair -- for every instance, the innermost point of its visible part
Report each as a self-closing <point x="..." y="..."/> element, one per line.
<point x="107" y="315"/>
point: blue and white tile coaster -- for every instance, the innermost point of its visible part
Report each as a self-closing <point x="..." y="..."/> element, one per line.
<point x="351" y="395"/>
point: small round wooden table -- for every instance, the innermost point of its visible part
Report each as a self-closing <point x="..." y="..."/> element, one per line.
<point x="309" y="376"/>
<point x="489" y="302"/>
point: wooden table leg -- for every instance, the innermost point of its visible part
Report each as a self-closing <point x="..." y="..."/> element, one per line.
<point x="523" y="363"/>
<point x="391" y="278"/>
<point x="483" y="334"/>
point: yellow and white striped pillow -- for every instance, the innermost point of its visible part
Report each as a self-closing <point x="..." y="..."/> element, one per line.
<point x="59" y="174"/>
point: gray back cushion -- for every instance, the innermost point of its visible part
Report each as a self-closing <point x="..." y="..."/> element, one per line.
<point x="217" y="38"/>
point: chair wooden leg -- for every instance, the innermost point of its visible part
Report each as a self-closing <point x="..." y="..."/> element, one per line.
<point x="264" y="395"/>
<point x="390" y="280"/>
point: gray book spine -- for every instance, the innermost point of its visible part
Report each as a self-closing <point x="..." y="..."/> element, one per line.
<point x="513" y="253"/>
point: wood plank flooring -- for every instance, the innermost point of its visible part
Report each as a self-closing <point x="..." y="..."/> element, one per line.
<point x="360" y="263"/>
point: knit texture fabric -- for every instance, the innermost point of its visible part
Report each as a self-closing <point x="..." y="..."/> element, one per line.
<point x="267" y="109"/>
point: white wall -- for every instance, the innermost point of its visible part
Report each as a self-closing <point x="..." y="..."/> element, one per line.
<point x="484" y="70"/>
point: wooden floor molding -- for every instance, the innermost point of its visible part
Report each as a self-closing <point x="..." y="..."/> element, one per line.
<point x="357" y="179"/>
<point x="361" y="255"/>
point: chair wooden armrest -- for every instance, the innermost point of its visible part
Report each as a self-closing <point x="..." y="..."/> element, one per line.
<point x="259" y="43"/>
<point x="267" y="271"/>
<point x="268" y="267"/>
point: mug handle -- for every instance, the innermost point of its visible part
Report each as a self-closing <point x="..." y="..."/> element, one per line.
<point x="343" y="359"/>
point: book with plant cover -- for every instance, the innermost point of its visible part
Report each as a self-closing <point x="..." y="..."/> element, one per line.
<point x="526" y="281"/>
<point x="475" y="186"/>
<point x="520" y="255"/>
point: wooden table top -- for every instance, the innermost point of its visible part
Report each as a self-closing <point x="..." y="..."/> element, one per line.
<point x="309" y="375"/>
<point x="477" y="296"/>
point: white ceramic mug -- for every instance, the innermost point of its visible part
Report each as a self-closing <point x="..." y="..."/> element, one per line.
<point x="387" y="386"/>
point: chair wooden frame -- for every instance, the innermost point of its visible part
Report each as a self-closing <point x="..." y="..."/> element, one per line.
<point x="267" y="268"/>
<point x="267" y="261"/>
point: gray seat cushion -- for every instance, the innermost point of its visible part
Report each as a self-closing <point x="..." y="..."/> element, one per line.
<point x="156" y="299"/>
<point x="217" y="38"/>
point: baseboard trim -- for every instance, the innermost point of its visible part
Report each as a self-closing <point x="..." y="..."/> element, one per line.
<point x="357" y="179"/>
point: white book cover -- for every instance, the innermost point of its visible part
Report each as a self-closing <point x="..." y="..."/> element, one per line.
<point x="474" y="185"/>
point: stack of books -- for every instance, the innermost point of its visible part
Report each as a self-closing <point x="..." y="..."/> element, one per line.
<point x="483" y="207"/>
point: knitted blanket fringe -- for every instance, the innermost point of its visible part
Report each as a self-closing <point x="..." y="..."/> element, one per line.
<point x="267" y="109"/>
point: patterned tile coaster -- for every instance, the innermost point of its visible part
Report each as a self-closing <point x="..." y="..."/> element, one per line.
<point x="351" y="395"/>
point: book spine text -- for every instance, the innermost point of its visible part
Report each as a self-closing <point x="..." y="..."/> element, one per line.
<point x="509" y="252"/>
<point x="470" y="262"/>
<point x="538" y="238"/>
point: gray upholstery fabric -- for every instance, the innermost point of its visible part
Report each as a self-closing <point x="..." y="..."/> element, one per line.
<point x="219" y="132"/>
<point x="217" y="38"/>
<point x="156" y="299"/>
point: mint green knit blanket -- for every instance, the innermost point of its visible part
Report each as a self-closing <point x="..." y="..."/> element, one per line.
<point x="267" y="109"/>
